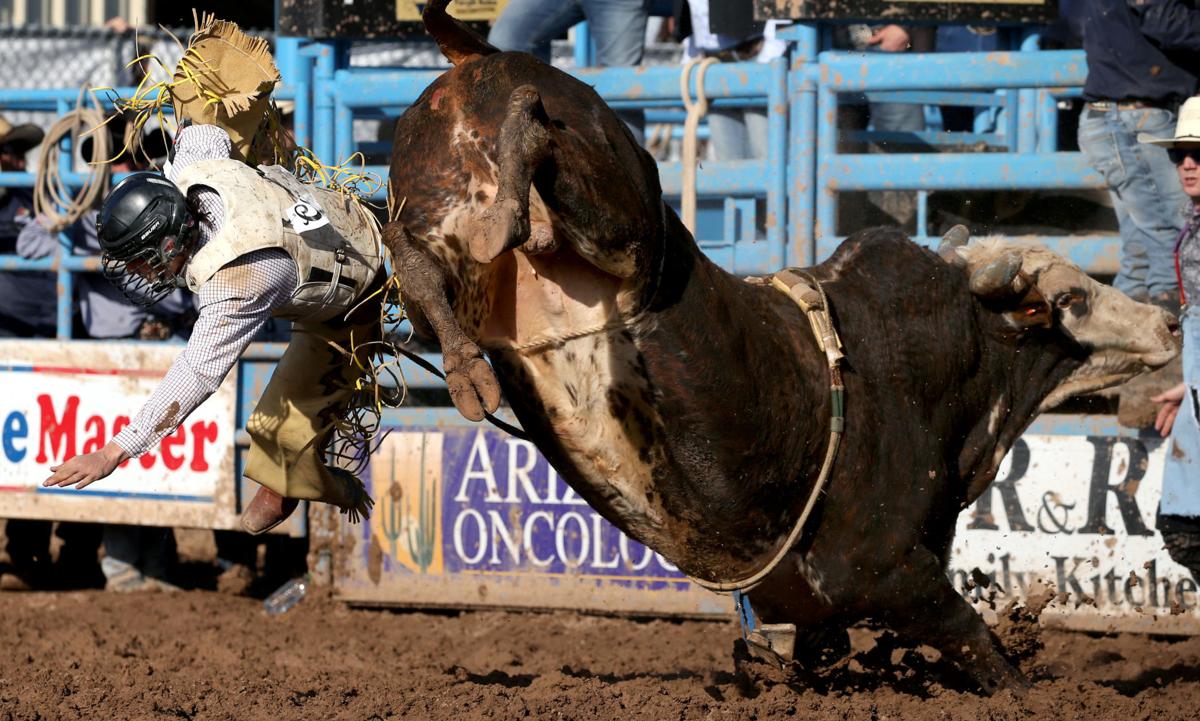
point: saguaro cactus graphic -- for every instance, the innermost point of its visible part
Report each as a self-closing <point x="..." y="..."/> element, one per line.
<point x="391" y="511"/>
<point x="422" y="527"/>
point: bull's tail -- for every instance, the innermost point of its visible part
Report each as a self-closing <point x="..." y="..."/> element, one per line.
<point x="457" y="41"/>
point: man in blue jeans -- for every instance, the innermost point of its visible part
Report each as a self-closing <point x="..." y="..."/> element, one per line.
<point x="618" y="29"/>
<point x="1142" y="59"/>
<point x="1141" y="65"/>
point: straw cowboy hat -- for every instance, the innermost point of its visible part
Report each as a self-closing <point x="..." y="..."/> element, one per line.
<point x="22" y="137"/>
<point x="1187" y="130"/>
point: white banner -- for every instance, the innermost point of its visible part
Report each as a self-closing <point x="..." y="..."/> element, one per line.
<point x="64" y="399"/>
<point x="1077" y="512"/>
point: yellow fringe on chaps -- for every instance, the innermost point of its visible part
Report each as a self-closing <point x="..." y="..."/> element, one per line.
<point x="294" y="421"/>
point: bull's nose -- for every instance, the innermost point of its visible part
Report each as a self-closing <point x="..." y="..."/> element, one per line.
<point x="1173" y="326"/>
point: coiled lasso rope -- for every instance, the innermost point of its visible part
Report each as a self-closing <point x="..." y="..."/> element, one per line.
<point x="696" y="109"/>
<point x="52" y="198"/>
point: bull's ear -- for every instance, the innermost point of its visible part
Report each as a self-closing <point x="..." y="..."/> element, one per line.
<point x="954" y="239"/>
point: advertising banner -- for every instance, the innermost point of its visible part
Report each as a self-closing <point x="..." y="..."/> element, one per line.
<point x="64" y="399"/>
<point x="469" y="516"/>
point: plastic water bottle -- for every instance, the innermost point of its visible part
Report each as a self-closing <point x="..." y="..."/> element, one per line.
<point x="286" y="596"/>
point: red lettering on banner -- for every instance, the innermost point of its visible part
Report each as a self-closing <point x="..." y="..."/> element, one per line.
<point x="119" y="425"/>
<point x="57" y="432"/>
<point x="175" y="440"/>
<point x="147" y="460"/>
<point x="201" y="431"/>
<point x="95" y="426"/>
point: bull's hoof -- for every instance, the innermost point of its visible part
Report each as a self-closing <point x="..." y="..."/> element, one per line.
<point x="754" y="673"/>
<point x="541" y="239"/>
<point x="472" y="383"/>
<point x="1002" y="677"/>
<point x="501" y="226"/>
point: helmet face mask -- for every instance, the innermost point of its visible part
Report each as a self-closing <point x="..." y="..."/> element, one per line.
<point x="152" y="273"/>
<point x="146" y="234"/>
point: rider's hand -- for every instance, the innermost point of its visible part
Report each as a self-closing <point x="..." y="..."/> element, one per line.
<point x="891" y="39"/>
<point x="1170" y="400"/>
<point x="82" y="471"/>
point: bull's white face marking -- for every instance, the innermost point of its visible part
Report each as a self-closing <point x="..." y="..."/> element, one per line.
<point x="1124" y="337"/>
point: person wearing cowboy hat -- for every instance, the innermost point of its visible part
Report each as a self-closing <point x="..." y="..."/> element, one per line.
<point x="23" y="310"/>
<point x="1141" y="67"/>
<point x="1178" y="417"/>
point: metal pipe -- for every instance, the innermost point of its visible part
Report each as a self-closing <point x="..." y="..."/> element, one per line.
<point x="585" y="52"/>
<point x="960" y="171"/>
<point x="324" y="92"/>
<point x="826" y="152"/>
<point x="777" y="136"/>
<point x="802" y="131"/>
<point x="954" y="71"/>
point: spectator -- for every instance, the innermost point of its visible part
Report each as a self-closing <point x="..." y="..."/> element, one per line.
<point x="618" y="30"/>
<point x="1179" y="410"/>
<point x="1141" y="65"/>
<point x="1139" y="70"/>
<point x="900" y="207"/>
<point x="736" y="133"/>
<point x="105" y="312"/>
<point x="27" y="308"/>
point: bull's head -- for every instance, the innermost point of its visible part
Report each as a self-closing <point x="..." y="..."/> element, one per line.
<point x="1038" y="290"/>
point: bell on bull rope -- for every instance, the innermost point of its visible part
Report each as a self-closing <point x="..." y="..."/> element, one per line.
<point x="773" y="642"/>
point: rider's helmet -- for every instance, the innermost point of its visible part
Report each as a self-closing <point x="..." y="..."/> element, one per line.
<point x="146" y="233"/>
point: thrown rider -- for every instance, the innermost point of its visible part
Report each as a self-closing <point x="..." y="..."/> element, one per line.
<point x="251" y="243"/>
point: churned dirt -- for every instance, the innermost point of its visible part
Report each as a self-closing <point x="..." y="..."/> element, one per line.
<point x="203" y="655"/>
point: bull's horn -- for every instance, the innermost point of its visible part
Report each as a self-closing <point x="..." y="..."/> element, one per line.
<point x="995" y="279"/>
<point x="954" y="238"/>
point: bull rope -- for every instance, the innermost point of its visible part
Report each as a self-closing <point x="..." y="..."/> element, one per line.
<point x="696" y="109"/>
<point x="807" y="293"/>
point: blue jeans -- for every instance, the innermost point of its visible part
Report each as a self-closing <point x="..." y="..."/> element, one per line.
<point x="1147" y="197"/>
<point x="1181" y="470"/>
<point x="738" y="133"/>
<point x="618" y="28"/>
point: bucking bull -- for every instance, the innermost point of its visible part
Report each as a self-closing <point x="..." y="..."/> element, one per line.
<point x="692" y="408"/>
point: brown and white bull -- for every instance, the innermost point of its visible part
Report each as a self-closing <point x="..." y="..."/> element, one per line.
<point x="691" y="408"/>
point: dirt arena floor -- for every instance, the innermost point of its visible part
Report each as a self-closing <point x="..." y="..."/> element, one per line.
<point x="204" y="655"/>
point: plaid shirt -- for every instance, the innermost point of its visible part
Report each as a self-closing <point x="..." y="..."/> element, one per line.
<point x="233" y="307"/>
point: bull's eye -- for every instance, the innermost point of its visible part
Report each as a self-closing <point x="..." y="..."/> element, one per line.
<point x="1065" y="300"/>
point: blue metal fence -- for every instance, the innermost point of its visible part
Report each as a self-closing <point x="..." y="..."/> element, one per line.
<point x="798" y="182"/>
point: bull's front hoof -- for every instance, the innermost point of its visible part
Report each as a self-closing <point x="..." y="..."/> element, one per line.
<point x="754" y="674"/>
<point x="501" y="226"/>
<point x="472" y="383"/>
<point x="541" y="239"/>
<point x="1004" y="677"/>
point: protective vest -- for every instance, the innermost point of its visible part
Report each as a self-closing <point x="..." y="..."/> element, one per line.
<point x="334" y="241"/>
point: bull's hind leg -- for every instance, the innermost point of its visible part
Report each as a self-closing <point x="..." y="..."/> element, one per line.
<point x="472" y="384"/>
<point x="523" y="144"/>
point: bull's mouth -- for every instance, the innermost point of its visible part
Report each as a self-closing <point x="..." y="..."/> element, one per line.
<point x="1157" y="360"/>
